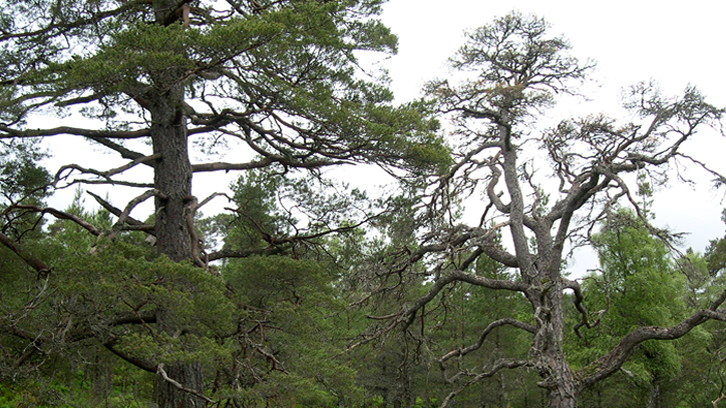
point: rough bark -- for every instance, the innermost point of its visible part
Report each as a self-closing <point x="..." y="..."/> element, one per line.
<point x="172" y="177"/>
<point x="176" y="391"/>
<point x="547" y="349"/>
<point x="173" y="181"/>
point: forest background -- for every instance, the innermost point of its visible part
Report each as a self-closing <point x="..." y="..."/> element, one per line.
<point x="290" y="288"/>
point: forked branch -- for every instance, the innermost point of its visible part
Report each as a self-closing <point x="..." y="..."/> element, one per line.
<point x="490" y="327"/>
<point x="499" y="365"/>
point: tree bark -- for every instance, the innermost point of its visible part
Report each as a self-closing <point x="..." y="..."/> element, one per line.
<point x="557" y="377"/>
<point x="172" y="178"/>
<point x="173" y="181"/>
<point x="654" y="394"/>
<point x="187" y="375"/>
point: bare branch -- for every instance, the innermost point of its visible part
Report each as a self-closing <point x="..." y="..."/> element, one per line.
<point x="67" y="130"/>
<point x="491" y="326"/>
<point x="129" y="165"/>
<point x="29" y="259"/>
<point x="612" y="361"/>
<point x="211" y="197"/>
<point x="499" y="365"/>
<point x="106" y="175"/>
<point x="132" y="223"/>
<point x="580" y="306"/>
<point x="123" y="216"/>
<point x="265" y="162"/>
<point x="60" y="215"/>
<point x="452" y="276"/>
<point x="140" y="363"/>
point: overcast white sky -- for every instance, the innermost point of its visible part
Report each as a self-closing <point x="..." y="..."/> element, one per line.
<point x="674" y="43"/>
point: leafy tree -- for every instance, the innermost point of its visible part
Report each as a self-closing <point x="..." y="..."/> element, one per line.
<point x="23" y="185"/>
<point x="515" y="70"/>
<point x="638" y="286"/>
<point x="22" y="180"/>
<point x="276" y="80"/>
<point x="706" y="277"/>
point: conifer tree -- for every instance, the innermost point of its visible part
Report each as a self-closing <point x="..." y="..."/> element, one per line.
<point x="159" y="82"/>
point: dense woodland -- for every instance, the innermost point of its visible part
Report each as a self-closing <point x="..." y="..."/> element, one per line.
<point x="449" y="289"/>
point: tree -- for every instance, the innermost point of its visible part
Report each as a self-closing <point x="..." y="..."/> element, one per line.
<point x="277" y="77"/>
<point x="638" y="285"/>
<point x="516" y="69"/>
<point x="476" y="314"/>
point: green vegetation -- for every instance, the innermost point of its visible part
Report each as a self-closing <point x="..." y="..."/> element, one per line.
<point x="304" y="291"/>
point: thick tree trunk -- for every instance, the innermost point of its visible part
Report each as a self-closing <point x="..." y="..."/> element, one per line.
<point x="172" y="179"/>
<point x="558" y="380"/>
<point x="557" y="377"/>
<point x="562" y="395"/>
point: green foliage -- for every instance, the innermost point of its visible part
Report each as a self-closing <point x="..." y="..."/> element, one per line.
<point x="283" y="78"/>
<point x="290" y="309"/>
<point x="125" y="271"/>
<point x="21" y="178"/>
<point x="276" y="279"/>
<point x="716" y="254"/>
<point x="470" y="309"/>
<point x="638" y="285"/>
<point x="297" y="59"/>
<point x="519" y="67"/>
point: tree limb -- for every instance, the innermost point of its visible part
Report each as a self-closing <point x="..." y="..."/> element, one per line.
<point x="491" y="326"/>
<point x="612" y="361"/>
<point x="29" y="259"/>
<point x="60" y="215"/>
<point x="501" y="364"/>
<point x="68" y="130"/>
<point x="134" y="223"/>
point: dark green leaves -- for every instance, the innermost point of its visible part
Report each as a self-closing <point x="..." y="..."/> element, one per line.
<point x="21" y="177"/>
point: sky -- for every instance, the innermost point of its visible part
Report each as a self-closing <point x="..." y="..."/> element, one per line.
<point x="631" y="41"/>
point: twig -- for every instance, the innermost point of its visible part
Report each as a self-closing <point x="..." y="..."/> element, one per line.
<point x="162" y="373"/>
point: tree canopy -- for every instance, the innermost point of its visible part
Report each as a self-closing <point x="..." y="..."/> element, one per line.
<point x="280" y="78"/>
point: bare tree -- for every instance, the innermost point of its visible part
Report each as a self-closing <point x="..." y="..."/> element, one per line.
<point x="515" y="71"/>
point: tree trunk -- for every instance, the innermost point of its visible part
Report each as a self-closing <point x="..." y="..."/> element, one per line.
<point x="188" y="375"/>
<point x="557" y="377"/>
<point x="172" y="178"/>
<point x="560" y="382"/>
<point x="173" y="181"/>
<point x="654" y="395"/>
